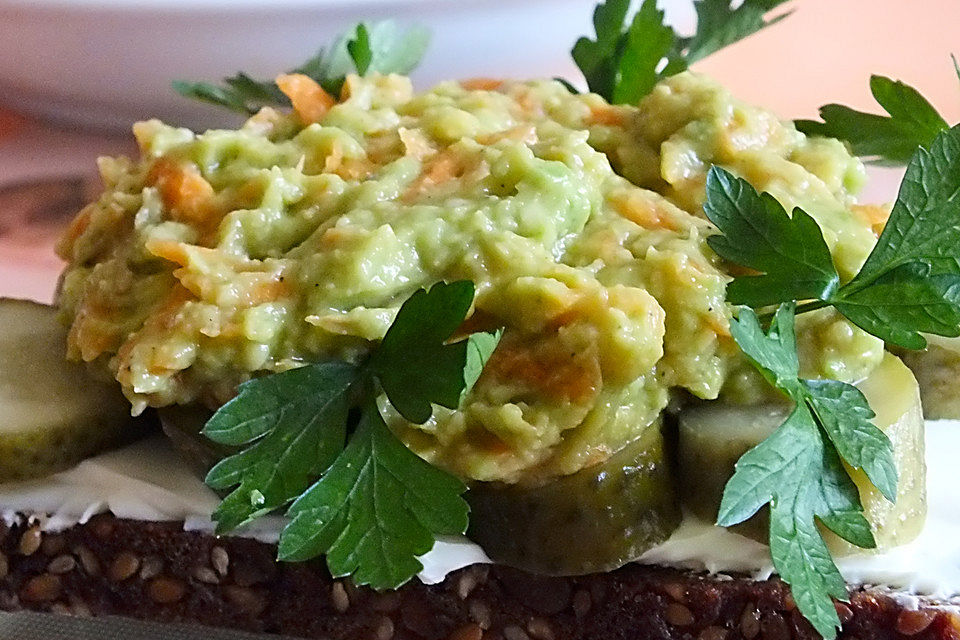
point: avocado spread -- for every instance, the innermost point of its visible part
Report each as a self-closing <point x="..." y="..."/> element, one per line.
<point x="229" y="254"/>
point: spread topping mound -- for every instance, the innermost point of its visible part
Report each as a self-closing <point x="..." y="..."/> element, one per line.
<point x="225" y="255"/>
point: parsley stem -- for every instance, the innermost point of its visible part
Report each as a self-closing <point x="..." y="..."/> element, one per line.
<point x="765" y="318"/>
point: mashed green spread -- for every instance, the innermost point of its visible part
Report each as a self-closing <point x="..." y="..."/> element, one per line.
<point x="228" y="254"/>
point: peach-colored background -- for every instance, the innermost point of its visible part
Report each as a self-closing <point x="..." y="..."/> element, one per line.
<point x="825" y="52"/>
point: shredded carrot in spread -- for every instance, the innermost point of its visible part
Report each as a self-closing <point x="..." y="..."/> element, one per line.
<point x="268" y="290"/>
<point x="488" y="442"/>
<point x="481" y="84"/>
<point x="639" y="208"/>
<point x="310" y="101"/>
<point x="718" y="325"/>
<point x="556" y="375"/>
<point x="186" y="194"/>
<point x="526" y="133"/>
<point x="88" y="336"/>
<point x="443" y="167"/>
<point x="77" y="226"/>
<point x="163" y="317"/>
<point x="609" y="115"/>
<point x="874" y="215"/>
<point x="171" y="250"/>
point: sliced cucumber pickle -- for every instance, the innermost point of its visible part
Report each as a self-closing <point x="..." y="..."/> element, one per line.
<point x="54" y="412"/>
<point x="182" y="426"/>
<point x="937" y="369"/>
<point x="597" y="519"/>
<point x="713" y="436"/>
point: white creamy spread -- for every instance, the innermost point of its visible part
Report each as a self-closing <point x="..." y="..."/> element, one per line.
<point x="148" y="481"/>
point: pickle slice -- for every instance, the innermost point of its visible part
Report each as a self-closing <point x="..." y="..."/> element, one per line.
<point x="182" y="426"/>
<point x="937" y="369"/>
<point x="594" y="520"/>
<point x="54" y="412"/>
<point x="712" y="437"/>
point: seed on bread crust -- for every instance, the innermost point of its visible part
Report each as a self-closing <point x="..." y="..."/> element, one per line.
<point x="30" y="540"/>
<point x="339" y="597"/>
<point x="88" y="561"/>
<point x="123" y="567"/>
<point x="42" y="588"/>
<point x="220" y="560"/>
<point x="910" y="623"/>
<point x="62" y="564"/>
<point x="164" y="590"/>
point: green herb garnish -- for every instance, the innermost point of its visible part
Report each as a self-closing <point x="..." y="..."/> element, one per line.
<point x="910" y="283"/>
<point x="625" y="61"/>
<point x="368" y="47"/>
<point x="797" y="470"/>
<point x="886" y="140"/>
<point x="376" y="505"/>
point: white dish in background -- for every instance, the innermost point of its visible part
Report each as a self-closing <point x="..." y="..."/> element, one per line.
<point x="107" y="63"/>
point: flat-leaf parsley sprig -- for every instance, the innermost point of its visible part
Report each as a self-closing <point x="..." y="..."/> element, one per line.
<point x="359" y="496"/>
<point x="911" y="122"/>
<point x="626" y="60"/>
<point x="381" y="47"/>
<point x="909" y="284"/>
<point x="797" y="470"/>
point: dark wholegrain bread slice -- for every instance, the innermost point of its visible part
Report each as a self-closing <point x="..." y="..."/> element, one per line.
<point x="159" y="572"/>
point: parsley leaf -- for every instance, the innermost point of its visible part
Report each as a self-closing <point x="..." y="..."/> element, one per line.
<point x="380" y="47"/>
<point x="718" y="25"/>
<point x="297" y="420"/>
<point x="647" y="42"/>
<point x="909" y="285"/>
<point x="887" y="140"/>
<point x="360" y="497"/>
<point x="910" y="282"/>
<point x="597" y="59"/>
<point x="624" y="62"/>
<point x="924" y="223"/>
<point x="359" y="49"/>
<point x="239" y="93"/>
<point x="415" y="366"/>
<point x="798" y="469"/>
<point x="790" y="252"/>
<point x="902" y="303"/>
<point x="376" y="509"/>
<point x="845" y="415"/>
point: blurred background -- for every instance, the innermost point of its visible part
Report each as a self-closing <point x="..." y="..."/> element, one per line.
<point x="74" y="74"/>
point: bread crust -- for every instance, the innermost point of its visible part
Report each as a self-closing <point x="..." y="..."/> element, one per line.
<point x="158" y="571"/>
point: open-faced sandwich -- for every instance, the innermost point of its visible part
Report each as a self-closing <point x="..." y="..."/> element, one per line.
<point x="500" y="360"/>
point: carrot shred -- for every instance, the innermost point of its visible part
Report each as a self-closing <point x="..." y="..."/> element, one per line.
<point x="310" y="101"/>
<point x="185" y="193"/>
<point x="481" y="84"/>
<point x="607" y="115"/>
<point x="874" y="215"/>
<point x="640" y="209"/>
<point x="442" y="167"/>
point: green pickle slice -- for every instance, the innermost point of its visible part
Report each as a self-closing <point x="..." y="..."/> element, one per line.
<point x="597" y="519"/>
<point x="937" y="369"/>
<point x="182" y="425"/>
<point x="713" y="436"/>
<point x="54" y="412"/>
